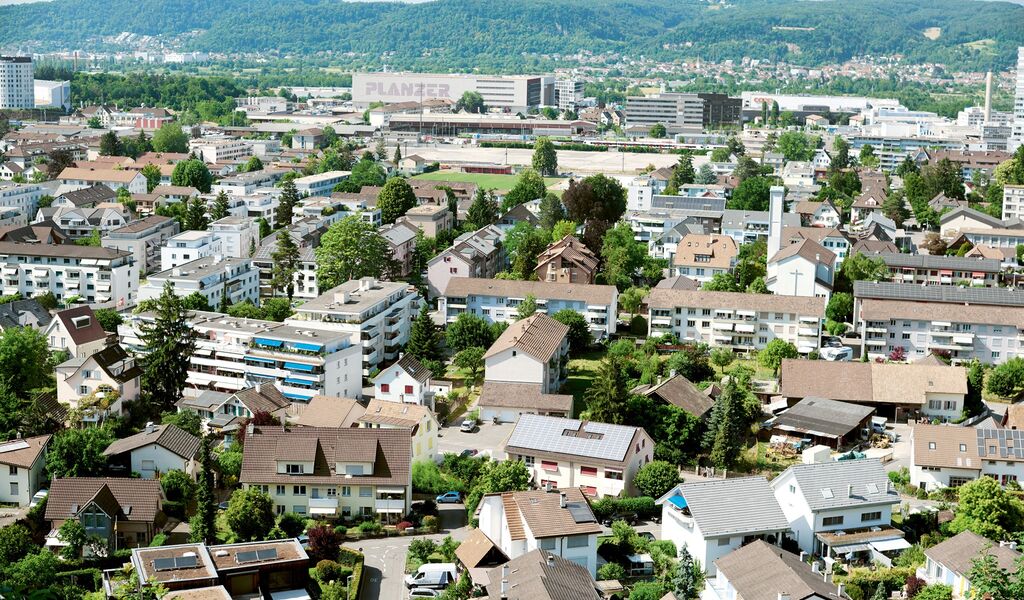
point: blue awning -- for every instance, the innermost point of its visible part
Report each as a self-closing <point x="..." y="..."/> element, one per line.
<point x="302" y="397"/>
<point x="266" y="342"/>
<point x="678" y="501"/>
<point x="294" y="381"/>
<point x="298" y="367"/>
<point x="262" y="360"/>
<point x="309" y="347"/>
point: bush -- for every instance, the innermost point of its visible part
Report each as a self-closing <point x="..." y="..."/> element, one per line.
<point x="403" y="526"/>
<point x="638" y="325"/>
<point x="866" y="581"/>
<point x="644" y="506"/>
<point x="656" y="478"/>
<point x="328" y="571"/>
<point x="341" y="530"/>
<point x="611" y="571"/>
<point x="914" y="585"/>
<point x="291" y="524"/>
<point x="158" y="540"/>
<point x="369" y="527"/>
<point x="349" y="557"/>
<point x="431" y="523"/>
<point x="324" y="542"/>
<point x="356" y="581"/>
<point x="935" y="592"/>
<point x="174" y="508"/>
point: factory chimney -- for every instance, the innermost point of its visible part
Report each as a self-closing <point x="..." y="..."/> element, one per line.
<point x="988" y="98"/>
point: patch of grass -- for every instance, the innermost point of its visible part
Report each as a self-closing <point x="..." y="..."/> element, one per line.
<point x="487" y="180"/>
<point x="582" y="371"/>
<point x="760" y="373"/>
<point x="759" y="459"/>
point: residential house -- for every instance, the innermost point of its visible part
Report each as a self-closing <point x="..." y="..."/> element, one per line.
<point x="99" y="384"/>
<point x="802" y="269"/>
<point x="704" y="256"/>
<point x="747" y="226"/>
<point x="431" y="219"/>
<point x="598" y="458"/>
<point x="477" y="254"/>
<point x="87" y="197"/>
<point x="507" y="402"/>
<point x="401" y="237"/>
<point x="406" y="381"/>
<point x="154" y="451"/>
<point x="832" y="239"/>
<point x="865" y="204"/>
<point x="24" y="313"/>
<point x="951" y="561"/>
<point x="377" y="313"/>
<point x="415" y="418"/>
<point x="77" y="331"/>
<point x="943" y="456"/>
<point x="964" y="218"/>
<point x="326" y="411"/>
<point x="818" y="214"/>
<point x="715" y="517"/>
<point x="823" y="421"/>
<point x="760" y="571"/>
<point x="217" y="279"/>
<point x="678" y="283"/>
<point x="124" y="512"/>
<point x="836" y="508"/>
<point x="80" y="223"/>
<point x="540" y="575"/>
<point x="412" y="164"/>
<point x="22" y="469"/>
<point x="941" y="202"/>
<point x="143" y="238"/>
<point x="534" y="350"/>
<point x="76" y="178"/>
<point x="176" y="193"/>
<point x="329" y="473"/>
<point x="306" y="234"/>
<point x="935" y="391"/>
<point x="519" y="213"/>
<point x="567" y="261"/>
<point x="222" y="413"/>
<point x="559" y="521"/>
<point x="498" y="300"/>
<point x="308" y="139"/>
<point x="680" y="393"/>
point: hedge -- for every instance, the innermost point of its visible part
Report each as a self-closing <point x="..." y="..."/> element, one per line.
<point x="643" y="506"/>
<point x="866" y="581"/>
<point x="356" y="581"/>
<point x="558" y="146"/>
<point x="80" y="577"/>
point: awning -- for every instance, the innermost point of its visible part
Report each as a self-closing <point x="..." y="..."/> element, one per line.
<point x="890" y="545"/>
<point x="231" y="385"/>
<point x="849" y="548"/>
<point x="294" y="381"/>
<point x="945" y="272"/>
<point x="722" y="326"/>
<point x="963" y="339"/>
<point x="266" y="342"/>
<point x="303" y="397"/>
<point x="315" y="510"/>
<point x="298" y="366"/>
<point x="942" y="324"/>
<point x="978" y="274"/>
<point x="227" y="354"/>
<point x="678" y="501"/>
<point x="388" y="490"/>
<point x="308" y="347"/>
<point x="204" y="351"/>
<point x="746" y="313"/>
<point x="746" y="328"/>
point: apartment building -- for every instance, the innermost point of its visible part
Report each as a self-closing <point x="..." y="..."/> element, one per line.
<point x="377" y="313"/>
<point x="964" y="218"/>
<point x="321" y="184"/>
<point x="74" y="177"/>
<point x="675" y="111"/>
<point x="79" y="223"/>
<point x="1013" y="202"/>
<point x="945" y="456"/>
<point x="22" y="469"/>
<point x="246" y="184"/>
<point x="431" y="219"/>
<point x="962" y="323"/>
<point x="100" y="277"/>
<point x="401" y="237"/>
<point x="23" y="197"/>
<point x="417" y="420"/>
<point x="533" y="351"/>
<point x="188" y="246"/>
<point x="478" y="254"/>
<point x="998" y="237"/>
<point x="742" y="322"/>
<point x="17" y="82"/>
<point x="213" y="277"/>
<point x="701" y="257"/>
<point x="599" y="459"/>
<point x="236" y="354"/>
<point x="238" y="236"/>
<point x="107" y="379"/>
<point x="498" y="300"/>
<point x="143" y="238"/>
<point x="304" y="281"/>
<point x="926" y="269"/>
<point x="331" y="472"/>
<point x="222" y="413"/>
<point x="747" y="226"/>
<point x="216" y="151"/>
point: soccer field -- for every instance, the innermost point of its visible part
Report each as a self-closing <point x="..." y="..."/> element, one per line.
<point x="486" y="180"/>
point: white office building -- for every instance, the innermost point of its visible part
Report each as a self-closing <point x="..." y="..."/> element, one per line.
<point x="17" y="88"/>
<point x="219" y="150"/>
<point x="1013" y="202"/>
<point x="568" y="93"/>
<point x="52" y="94"/>
<point x="213" y="277"/>
<point x="513" y="92"/>
<point x="674" y="111"/>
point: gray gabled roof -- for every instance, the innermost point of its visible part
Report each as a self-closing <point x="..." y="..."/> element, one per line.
<point x="823" y="416"/>
<point x="842" y="484"/>
<point x="720" y="507"/>
<point x="971" y="213"/>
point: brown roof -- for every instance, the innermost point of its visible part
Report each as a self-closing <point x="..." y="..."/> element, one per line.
<point x="869" y="382"/>
<point x="523" y="396"/>
<point x="90" y="330"/>
<point x="569" y="249"/>
<point x="475" y="548"/>
<point x="265" y="398"/>
<point x="808" y="249"/>
<point x="395" y="414"/>
<point x="540" y="511"/>
<point x="143" y="559"/>
<point x="98" y="175"/>
<point x="869" y="199"/>
<point x="61" y="250"/>
<point x="538" y="335"/>
<point x="802" y="305"/>
<point x="328" y="411"/>
<point x="540" y="575"/>
<point x="599" y="295"/>
<point x="136" y="499"/>
<point x="413" y="367"/>
<point x="883" y="310"/>
<point x="143" y="224"/>
<point x="169" y="437"/>
<point x="721" y="250"/>
<point x="793" y="235"/>
<point x="986" y="251"/>
<point x="214" y="592"/>
<point x="225" y="556"/>
<point x="948" y="442"/>
<point x="1014" y="417"/>
<point x="958" y="553"/>
<point x="760" y="571"/>
<point x="809" y="207"/>
<point x="679" y="392"/>
<point x="388" y="449"/>
<point x="175" y="190"/>
<point x="874" y="247"/>
<point x="22" y="452"/>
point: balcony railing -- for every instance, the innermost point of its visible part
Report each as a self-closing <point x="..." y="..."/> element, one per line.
<point x="389" y="506"/>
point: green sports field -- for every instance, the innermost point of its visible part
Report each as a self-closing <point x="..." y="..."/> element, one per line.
<point x="498" y="182"/>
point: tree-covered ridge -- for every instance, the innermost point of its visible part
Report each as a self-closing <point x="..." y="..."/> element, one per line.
<point x="494" y="34"/>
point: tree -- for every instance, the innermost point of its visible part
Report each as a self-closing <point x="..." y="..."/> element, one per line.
<point x="324" y="542"/>
<point x="879" y="592"/>
<point x="286" y="204"/>
<point x="527" y="307"/>
<point x="381" y="151"/>
<point x="471" y="102"/>
<point x="656" y="478"/>
<point x="170" y="138"/>
<point x="545" y="158"/>
<point x="528" y="187"/>
<point x="171" y="341"/>
<point x="220" y="206"/>
<point x="946" y="177"/>
<point x="395" y="199"/>
<point x="647" y="590"/>
<point x="551" y="213"/>
<point x="692" y="362"/>
<point x="934" y="244"/>
<point x="688" y="580"/>
<point x="840" y="155"/>
<point x="987" y="509"/>
<point x="469" y="331"/>
<point x="1007" y="380"/>
<point x="352" y="248"/>
<point x="562" y="229"/>
<point x="178" y="485"/>
<point x="867" y="156"/>
<point x="153" y="175"/>
<point x="72" y="533"/>
<point x="973" y="404"/>
<point x="184" y="420"/>
<point x="752" y="193"/>
<point x="291" y="524"/>
<point x="706" y="175"/>
<point x="894" y="207"/>
<point x="796" y="146"/>
<point x="483" y="211"/>
<point x="632" y="299"/>
<point x="253" y="164"/>
<point x="524" y="243"/>
<point x="109" y="319"/>
<point x="722" y="357"/>
<point x="192" y="173"/>
<point x="720" y="155"/>
<point x="250" y="514"/>
<point x="498" y="476"/>
<point x="15" y="543"/>
<point x="470" y="360"/>
<point x="726" y="428"/>
<point x="397" y="156"/>
<point x="860" y="268"/>
<point x="775" y="352"/>
<point x="988" y="580"/>
<point x="78" y="453"/>
<point x="110" y="144"/>
<point x="24" y="362"/>
<point x="720" y="282"/>
<point x="265" y="229"/>
<point x="424" y="337"/>
<point x="682" y="175"/>
<point x="840" y="307"/>
<point x="285" y="259"/>
<point x="195" y="214"/>
<point x="579" y="330"/>
<point x="657" y="131"/>
<point x="597" y="202"/>
<point x="606" y="396"/>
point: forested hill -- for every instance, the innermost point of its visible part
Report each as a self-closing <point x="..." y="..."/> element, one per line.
<point x="495" y="34"/>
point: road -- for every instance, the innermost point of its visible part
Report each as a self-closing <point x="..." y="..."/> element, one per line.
<point x="384" y="570"/>
<point x="486" y="437"/>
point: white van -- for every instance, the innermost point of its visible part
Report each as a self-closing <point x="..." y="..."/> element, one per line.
<point x="437" y="576"/>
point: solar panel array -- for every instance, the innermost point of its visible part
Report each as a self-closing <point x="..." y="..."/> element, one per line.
<point x="580" y="512"/>
<point x="884" y="290"/>
<point x="1009" y="443"/>
<point x="174" y="563"/>
<point x="559" y="435"/>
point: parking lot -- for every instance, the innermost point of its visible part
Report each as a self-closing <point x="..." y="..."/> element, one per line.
<point x="486" y="438"/>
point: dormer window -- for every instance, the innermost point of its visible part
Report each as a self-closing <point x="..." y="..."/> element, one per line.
<point x="353" y="469"/>
<point x="293" y="469"/>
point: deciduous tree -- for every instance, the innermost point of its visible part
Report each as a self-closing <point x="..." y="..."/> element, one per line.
<point x="170" y="138"/>
<point x="545" y="158"/>
<point x="395" y="199"/>
<point x="352" y="248"/>
<point x="250" y="514"/>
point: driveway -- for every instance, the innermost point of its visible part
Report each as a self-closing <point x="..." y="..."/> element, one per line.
<point x="901" y="449"/>
<point x="487" y="436"/>
<point x="384" y="570"/>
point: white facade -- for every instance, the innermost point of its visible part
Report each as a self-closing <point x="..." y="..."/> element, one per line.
<point x="188" y="246"/>
<point x="22" y="197"/>
<point x="81" y="378"/>
<point x="795" y="275"/>
<point x="219" y="150"/>
<point x="1013" y="202"/>
<point x="1017" y="135"/>
<point x="395" y="384"/>
<point x="597" y="478"/>
<point x="237" y="235"/>
<point x="321" y="184"/>
<point x="52" y="94"/>
<point x="17" y="88"/>
<point x="19" y="483"/>
<point x="151" y="459"/>
<point x="568" y="93"/>
<point x="99" y="276"/>
<point x="514" y="92"/>
<point x="212" y="277"/>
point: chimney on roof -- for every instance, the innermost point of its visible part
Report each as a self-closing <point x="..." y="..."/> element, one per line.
<point x="561" y="500"/>
<point x="551" y="560"/>
<point x="258" y="386"/>
<point x="150" y="427"/>
<point x="849" y="491"/>
<point x="783" y="596"/>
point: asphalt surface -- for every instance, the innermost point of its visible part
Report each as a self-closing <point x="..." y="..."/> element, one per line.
<point x="486" y="437"/>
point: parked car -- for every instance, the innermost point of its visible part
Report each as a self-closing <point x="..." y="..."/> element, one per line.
<point x="468" y="425"/>
<point x="630" y="517"/>
<point x="38" y="497"/>
<point x="468" y="452"/>
<point x="433" y="575"/>
<point x="647" y="535"/>
<point x="449" y="498"/>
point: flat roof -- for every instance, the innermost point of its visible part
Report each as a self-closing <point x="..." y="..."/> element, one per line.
<point x="884" y="290"/>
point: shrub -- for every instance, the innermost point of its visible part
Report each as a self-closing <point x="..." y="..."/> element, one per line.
<point x="914" y="585"/>
<point x="324" y="542"/>
<point x="936" y="592"/>
<point x="403" y="525"/>
<point x="641" y="505"/>
<point x="174" y="508"/>
<point x="369" y="527"/>
<point x="159" y="540"/>
<point x="350" y="557"/>
<point x="341" y="530"/>
<point x="328" y="570"/>
<point x="866" y="581"/>
<point x="431" y="523"/>
<point x="356" y="581"/>
<point x="611" y="571"/>
<point x="291" y="524"/>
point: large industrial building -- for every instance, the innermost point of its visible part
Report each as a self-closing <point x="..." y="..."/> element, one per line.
<point x="17" y="83"/>
<point x="510" y="92"/>
<point x="52" y="94"/>
<point x="682" y="112"/>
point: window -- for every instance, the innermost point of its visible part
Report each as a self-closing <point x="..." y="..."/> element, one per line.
<point x="792" y="489"/>
<point x="14" y="488"/>
<point x="963" y="447"/>
<point x="931" y="445"/>
<point x="346" y="491"/>
<point x="279" y="491"/>
<point x="298" y="490"/>
<point x="385" y="388"/>
<point x="577" y="541"/>
<point x="528" y="461"/>
<point x="613" y="474"/>
<point x="353" y="469"/>
<point x="83" y="390"/>
<point x="547" y="543"/>
<point x="293" y="469"/>
<point x="592" y="471"/>
<point x="724" y="541"/>
<point x="548" y="465"/>
<point x="871" y="516"/>
<point x="279" y="509"/>
<point x="408" y="389"/>
<point x="365" y="491"/>
<point x="829" y="521"/>
<point x="298" y="509"/>
<point x="332" y="492"/>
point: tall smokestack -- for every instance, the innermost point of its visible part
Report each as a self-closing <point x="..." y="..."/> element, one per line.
<point x="775" y="209"/>
<point x="988" y="97"/>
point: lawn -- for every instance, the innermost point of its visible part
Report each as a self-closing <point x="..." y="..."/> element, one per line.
<point x="758" y="459"/>
<point x="760" y="373"/>
<point x="582" y="371"/>
<point x="498" y="182"/>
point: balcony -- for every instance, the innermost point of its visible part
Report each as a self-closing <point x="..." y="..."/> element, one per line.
<point x="389" y="506"/>
<point x="807" y="331"/>
<point x="323" y="505"/>
<point x="875" y="341"/>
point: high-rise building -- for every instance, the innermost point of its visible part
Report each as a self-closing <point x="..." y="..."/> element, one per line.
<point x="674" y="111"/>
<point x="507" y="92"/>
<point x="568" y="93"/>
<point x="17" y="88"/>
<point x="1017" y="137"/>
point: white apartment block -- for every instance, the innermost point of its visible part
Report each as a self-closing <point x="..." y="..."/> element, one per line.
<point x="78" y="178"/>
<point x="188" y="246"/>
<point x="238" y="235"/>
<point x="143" y="238"/>
<point x="1013" y="202"/>
<point x="498" y="300"/>
<point x="23" y="197"/>
<point x="1017" y="134"/>
<point x="568" y="93"/>
<point x="17" y="87"/>
<point x="213" y="277"/>
<point x="101" y="277"/>
<point x="236" y="354"/>
<point x="215" y="151"/>
<point x="742" y="322"/>
<point x="321" y="184"/>
<point x="377" y="313"/>
<point x="967" y="323"/>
